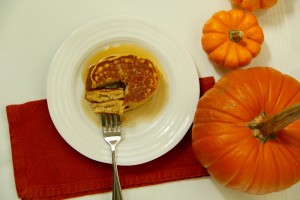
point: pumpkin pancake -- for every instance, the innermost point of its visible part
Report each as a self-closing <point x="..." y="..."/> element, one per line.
<point x="124" y="81"/>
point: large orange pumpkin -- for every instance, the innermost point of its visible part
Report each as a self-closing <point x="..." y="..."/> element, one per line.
<point x="252" y="5"/>
<point x="246" y="131"/>
<point x="232" y="38"/>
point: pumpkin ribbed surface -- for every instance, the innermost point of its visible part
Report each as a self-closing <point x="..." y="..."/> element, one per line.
<point x="232" y="38"/>
<point x="252" y="5"/>
<point x="224" y="143"/>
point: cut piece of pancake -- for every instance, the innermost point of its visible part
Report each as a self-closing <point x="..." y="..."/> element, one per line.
<point x="112" y="106"/>
<point x="136" y="80"/>
<point x="103" y="95"/>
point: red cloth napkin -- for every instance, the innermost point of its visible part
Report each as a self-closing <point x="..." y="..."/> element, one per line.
<point x="46" y="167"/>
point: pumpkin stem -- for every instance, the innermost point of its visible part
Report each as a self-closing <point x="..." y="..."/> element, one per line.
<point x="236" y="35"/>
<point x="266" y="127"/>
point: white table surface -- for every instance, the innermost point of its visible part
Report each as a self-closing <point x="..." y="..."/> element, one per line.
<point x="32" y="30"/>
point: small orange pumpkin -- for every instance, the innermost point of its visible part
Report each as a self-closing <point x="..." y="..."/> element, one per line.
<point x="246" y="131"/>
<point x="232" y="38"/>
<point x="252" y="5"/>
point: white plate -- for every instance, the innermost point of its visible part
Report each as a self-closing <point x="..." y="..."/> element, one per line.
<point x="144" y="139"/>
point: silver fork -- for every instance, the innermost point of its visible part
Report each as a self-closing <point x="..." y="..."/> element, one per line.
<point x="111" y="130"/>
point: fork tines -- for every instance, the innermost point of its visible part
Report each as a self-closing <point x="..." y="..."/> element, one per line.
<point x="111" y="122"/>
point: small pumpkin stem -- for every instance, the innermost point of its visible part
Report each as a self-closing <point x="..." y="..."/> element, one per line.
<point x="236" y="35"/>
<point x="266" y="127"/>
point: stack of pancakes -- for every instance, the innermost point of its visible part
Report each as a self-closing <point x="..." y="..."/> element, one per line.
<point x="120" y="83"/>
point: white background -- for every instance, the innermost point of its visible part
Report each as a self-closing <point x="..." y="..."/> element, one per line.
<point x="32" y="30"/>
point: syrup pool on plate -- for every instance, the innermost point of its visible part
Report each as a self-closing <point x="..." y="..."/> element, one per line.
<point x="146" y="112"/>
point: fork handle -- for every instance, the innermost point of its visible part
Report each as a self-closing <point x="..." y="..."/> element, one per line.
<point x="117" y="192"/>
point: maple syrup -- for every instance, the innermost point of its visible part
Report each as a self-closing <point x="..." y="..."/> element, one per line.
<point x="148" y="111"/>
